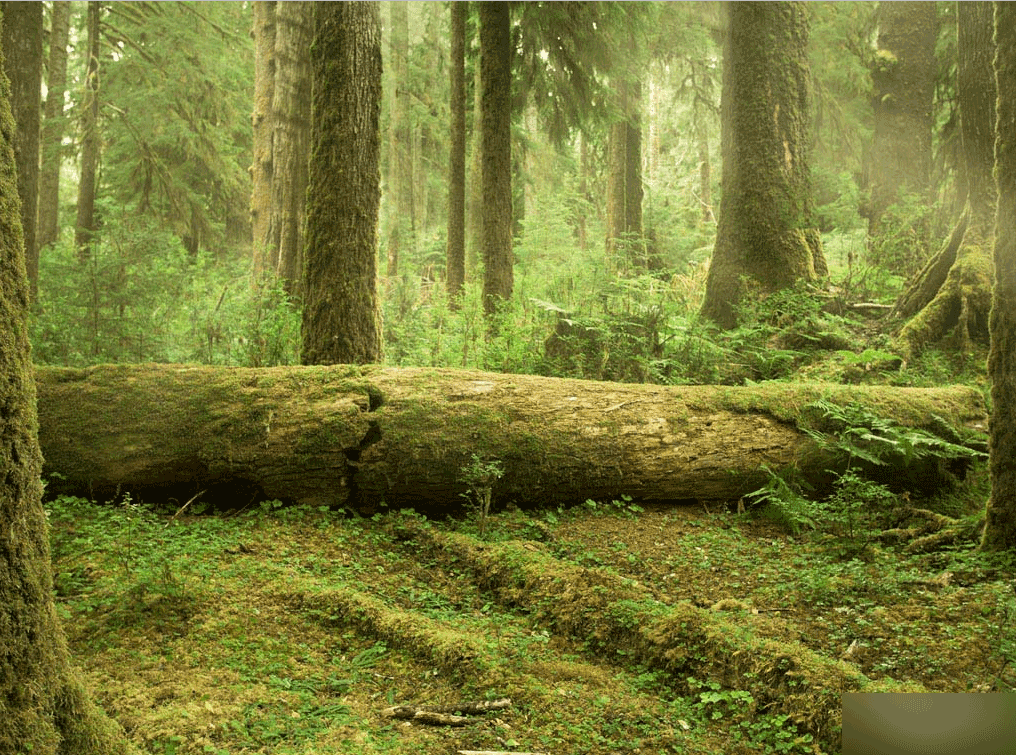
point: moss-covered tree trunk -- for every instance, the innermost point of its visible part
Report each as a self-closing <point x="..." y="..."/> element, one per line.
<point x="1000" y="530"/>
<point x="951" y="297"/>
<point x="43" y="705"/>
<point x="91" y="144"/>
<point x="903" y="75"/>
<point x="53" y="125"/>
<point x="765" y="229"/>
<point x="496" y="153"/>
<point x="455" y="269"/>
<point x="359" y="436"/>
<point x="341" y="316"/>
<point x="22" y="44"/>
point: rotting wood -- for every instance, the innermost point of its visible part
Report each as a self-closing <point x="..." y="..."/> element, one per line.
<point x="445" y="715"/>
<point x="360" y="437"/>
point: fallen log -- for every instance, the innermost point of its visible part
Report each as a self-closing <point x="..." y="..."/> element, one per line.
<point x="362" y="437"/>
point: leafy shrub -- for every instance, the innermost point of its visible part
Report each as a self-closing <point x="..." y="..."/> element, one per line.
<point x="140" y="297"/>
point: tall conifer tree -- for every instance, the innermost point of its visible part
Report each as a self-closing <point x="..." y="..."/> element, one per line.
<point x="341" y="318"/>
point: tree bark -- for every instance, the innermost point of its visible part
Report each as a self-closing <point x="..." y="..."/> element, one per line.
<point x="496" y="153"/>
<point x="85" y="225"/>
<point x="290" y="139"/>
<point x="22" y="43"/>
<point x="1000" y="527"/>
<point x="903" y="74"/>
<point x="626" y="247"/>
<point x="952" y="295"/>
<point x="765" y="230"/>
<point x="474" y="199"/>
<point x="359" y="436"/>
<point x="263" y="120"/>
<point x="53" y="126"/>
<point x="43" y="704"/>
<point x="282" y="91"/>
<point x="341" y="316"/>
<point x="455" y="274"/>
<point x="399" y="195"/>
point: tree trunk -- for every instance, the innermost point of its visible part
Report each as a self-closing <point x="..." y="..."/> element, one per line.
<point x="357" y="436"/>
<point x="496" y="151"/>
<point x="626" y="247"/>
<point x="341" y="317"/>
<point x="455" y="274"/>
<point x="282" y="36"/>
<point x="399" y="200"/>
<point x="583" y="203"/>
<point x="952" y="295"/>
<point x="85" y="226"/>
<point x="22" y="43"/>
<point x="474" y="199"/>
<point x="53" y="126"/>
<point x="704" y="165"/>
<point x="43" y="704"/>
<point x="263" y="120"/>
<point x="1000" y="529"/>
<point x="765" y="229"/>
<point x="290" y="139"/>
<point x="903" y="74"/>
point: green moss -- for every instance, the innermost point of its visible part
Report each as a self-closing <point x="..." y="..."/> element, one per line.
<point x="613" y="615"/>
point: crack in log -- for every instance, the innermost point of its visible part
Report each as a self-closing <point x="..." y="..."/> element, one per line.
<point x="375" y="400"/>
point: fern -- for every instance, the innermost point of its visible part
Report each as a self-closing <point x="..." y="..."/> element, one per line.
<point x="859" y="434"/>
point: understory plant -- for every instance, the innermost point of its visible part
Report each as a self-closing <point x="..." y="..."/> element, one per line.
<point x="479" y="476"/>
<point x="139" y="296"/>
<point x="858" y="507"/>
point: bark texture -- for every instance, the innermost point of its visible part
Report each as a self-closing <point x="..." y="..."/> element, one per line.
<point x="53" y="126"/>
<point x="290" y="140"/>
<point x="951" y="297"/>
<point x="455" y="273"/>
<point x="1000" y="529"/>
<point x="85" y="225"/>
<point x="263" y="32"/>
<point x="43" y="705"/>
<point x="341" y="315"/>
<point x="496" y="153"/>
<point x="765" y="229"/>
<point x="283" y="33"/>
<point x="359" y="436"/>
<point x="22" y="45"/>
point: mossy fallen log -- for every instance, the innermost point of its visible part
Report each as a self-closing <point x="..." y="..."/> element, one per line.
<point x="363" y="437"/>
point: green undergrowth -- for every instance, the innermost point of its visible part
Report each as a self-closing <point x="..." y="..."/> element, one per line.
<point x="611" y="627"/>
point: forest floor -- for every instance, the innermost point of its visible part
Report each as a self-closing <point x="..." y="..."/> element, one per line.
<point x="611" y="628"/>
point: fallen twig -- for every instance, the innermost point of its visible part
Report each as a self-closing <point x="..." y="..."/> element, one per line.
<point x="444" y="715"/>
<point x="184" y="507"/>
